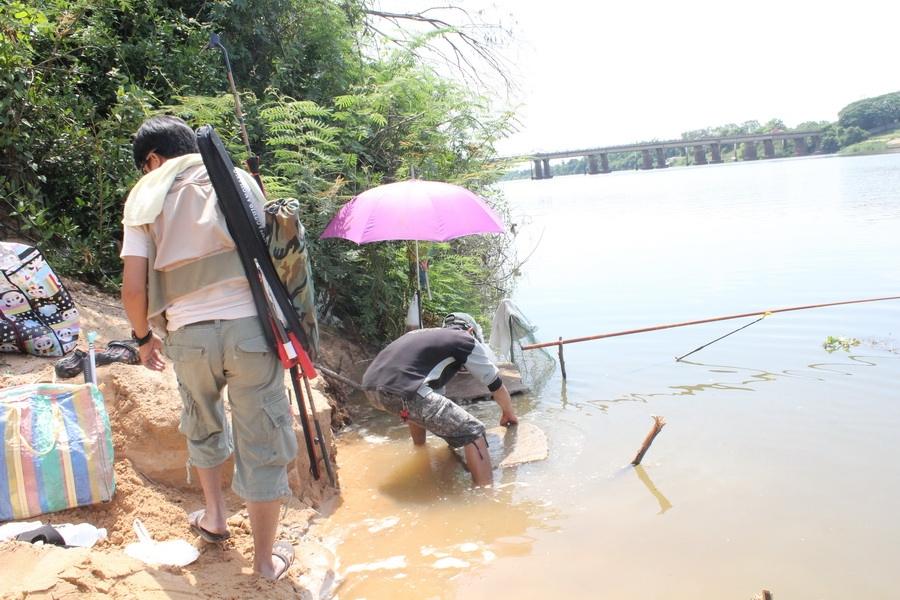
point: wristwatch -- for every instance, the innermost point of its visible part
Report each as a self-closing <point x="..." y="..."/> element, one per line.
<point x="142" y="340"/>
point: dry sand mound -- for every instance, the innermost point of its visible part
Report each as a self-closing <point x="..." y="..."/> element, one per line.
<point x="151" y="484"/>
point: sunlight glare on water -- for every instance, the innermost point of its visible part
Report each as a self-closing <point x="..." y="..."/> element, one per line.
<point x="777" y="468"/>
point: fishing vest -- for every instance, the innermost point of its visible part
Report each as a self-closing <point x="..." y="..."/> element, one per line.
<point x="165" y="287"/>
<point x="191" y="211"/>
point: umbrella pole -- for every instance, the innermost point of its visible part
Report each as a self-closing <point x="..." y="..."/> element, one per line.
<point x="418" y="291"/>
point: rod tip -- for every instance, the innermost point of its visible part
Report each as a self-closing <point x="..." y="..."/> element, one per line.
<point x="214" y="41"/>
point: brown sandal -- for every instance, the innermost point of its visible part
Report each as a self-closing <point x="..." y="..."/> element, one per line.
<point x="207" y="536"/>
<point x="285" y="551"/>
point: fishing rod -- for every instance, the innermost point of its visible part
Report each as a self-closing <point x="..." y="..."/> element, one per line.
<point x="252" y="159"/>
<point x="721" y="337"/>
<point x="758" y="313"/>
<point x="300" y="366"/>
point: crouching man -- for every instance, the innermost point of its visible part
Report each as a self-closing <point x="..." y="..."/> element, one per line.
<point x="407" y="379"/>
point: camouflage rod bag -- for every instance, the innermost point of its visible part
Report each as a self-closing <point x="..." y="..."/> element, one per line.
<point x="37" y="314"/>
<point x="286" y="239"/>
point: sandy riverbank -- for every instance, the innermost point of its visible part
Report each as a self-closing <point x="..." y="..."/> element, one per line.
<point x="151" y="485"/>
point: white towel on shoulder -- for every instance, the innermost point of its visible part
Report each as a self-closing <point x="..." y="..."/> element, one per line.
<point x="146" y="199"/>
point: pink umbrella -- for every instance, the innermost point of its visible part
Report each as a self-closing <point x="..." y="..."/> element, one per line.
<point x="413" y="210"/>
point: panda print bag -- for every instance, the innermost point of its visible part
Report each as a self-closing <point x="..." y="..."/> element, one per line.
<point x="37" y="314"/>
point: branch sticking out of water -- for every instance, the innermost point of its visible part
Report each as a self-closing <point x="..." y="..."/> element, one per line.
<point x="658" y="424"/>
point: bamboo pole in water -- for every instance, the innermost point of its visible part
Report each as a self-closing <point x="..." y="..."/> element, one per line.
<point x="700" y="321"/>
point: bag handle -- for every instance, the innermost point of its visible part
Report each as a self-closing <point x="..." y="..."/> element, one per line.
<point x="57" y="428"/>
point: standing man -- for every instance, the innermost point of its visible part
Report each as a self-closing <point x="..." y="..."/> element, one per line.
<point x="183" y="276"/>
<point x="407" y="379"/>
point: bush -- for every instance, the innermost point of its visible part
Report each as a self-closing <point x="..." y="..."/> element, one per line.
<point x="835" y="137"/>
<point x="852" y="135"/>
<point x="77" y="77"/>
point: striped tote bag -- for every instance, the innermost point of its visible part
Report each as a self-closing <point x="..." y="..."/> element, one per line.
<point x="57" y="449"/>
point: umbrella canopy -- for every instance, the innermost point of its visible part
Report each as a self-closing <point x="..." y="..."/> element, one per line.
<point x="413" y="210"/>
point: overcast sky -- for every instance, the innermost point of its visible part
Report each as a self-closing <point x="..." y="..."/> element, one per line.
<point x="595" y="73"/>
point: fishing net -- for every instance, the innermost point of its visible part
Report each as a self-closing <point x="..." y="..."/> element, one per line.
<point x="510" y="330"/>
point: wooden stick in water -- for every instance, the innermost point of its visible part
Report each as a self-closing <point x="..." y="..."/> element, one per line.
<point x="562" y="361"/>
<point x="658" y="424"/>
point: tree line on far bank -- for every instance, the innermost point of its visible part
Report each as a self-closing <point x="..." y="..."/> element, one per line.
<point x="857" y="122"/>
<point x="330" y="111"/>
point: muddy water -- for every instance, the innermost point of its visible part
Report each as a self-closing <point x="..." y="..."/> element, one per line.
<point x="778" y="466"/>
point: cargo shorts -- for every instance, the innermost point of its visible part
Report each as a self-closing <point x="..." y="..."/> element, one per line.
<point x="210" y="355"/>
<point x="436" y="413"/>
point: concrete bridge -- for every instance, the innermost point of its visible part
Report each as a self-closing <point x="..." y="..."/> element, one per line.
<point x="703" y="150"/>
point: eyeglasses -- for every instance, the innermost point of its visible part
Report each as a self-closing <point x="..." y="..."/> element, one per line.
<point x="146" y="160"/>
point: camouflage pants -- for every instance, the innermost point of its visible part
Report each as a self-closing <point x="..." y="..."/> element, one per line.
<point x="434" y="412"/>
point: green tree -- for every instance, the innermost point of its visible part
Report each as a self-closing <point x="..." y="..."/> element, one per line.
<point x="400" y="118"/>
<point x="811" y="126"/>
<point x="872" y="114"/>
<point x="328" y="112"/>
<point x="304" y="48"/>
<point x="774" y="126"/>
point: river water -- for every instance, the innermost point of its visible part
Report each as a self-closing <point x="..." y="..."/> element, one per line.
<point x="778" y="467"/>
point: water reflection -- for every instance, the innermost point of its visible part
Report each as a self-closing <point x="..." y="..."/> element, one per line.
<point x="749" y="377"/>
<point x="664" y="503"/>
<point x="866" y="361"/>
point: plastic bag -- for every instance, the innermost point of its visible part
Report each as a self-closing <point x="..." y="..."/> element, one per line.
<point x="57" y="449"/>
